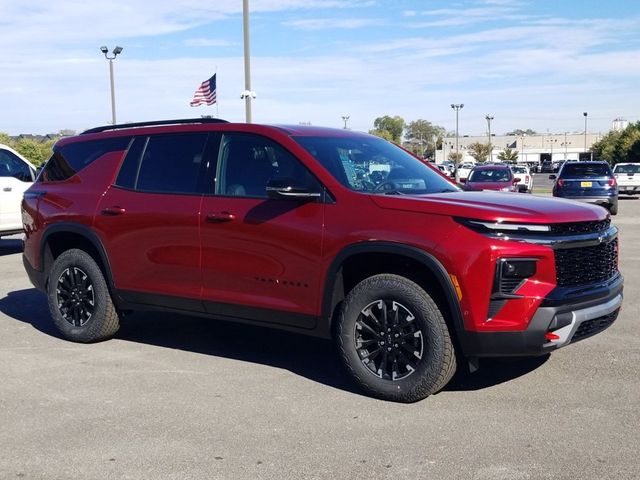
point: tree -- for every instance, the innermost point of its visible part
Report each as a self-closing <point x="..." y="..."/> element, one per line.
<point x="479" y="151"/>
<point x="619" y="146"/>
<point x="394" y="126"/>
<point x="420" y="134"/>
<point x="455" y="157"/>
<point x="508" y="155"/>
<point x="519" y="131"/>
<point x="382" y="134"/>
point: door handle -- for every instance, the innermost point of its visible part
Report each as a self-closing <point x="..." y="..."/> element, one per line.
<point x="7" y="189"/>
<point x="112" y="211"/>
<point x="220" y="217"/>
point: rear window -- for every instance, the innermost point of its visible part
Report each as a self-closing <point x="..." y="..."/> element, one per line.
<point x="586" y="170"/>
<point x="66" y="161"/>
<point x="490" y="175"/>
<point x="635" y="168"/>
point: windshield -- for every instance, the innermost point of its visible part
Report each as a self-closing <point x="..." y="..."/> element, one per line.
<point x="373" y="165"/>
<point x="635" y="168"/>
<point x="585" y="170"/>
<point x="490" y="175"/>
<point x="519" y="169"/>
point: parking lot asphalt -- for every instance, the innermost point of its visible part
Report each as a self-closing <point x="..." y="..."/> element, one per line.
<point x="188" y="398"/>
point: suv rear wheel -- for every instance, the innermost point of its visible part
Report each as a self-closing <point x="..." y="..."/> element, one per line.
<point x="394" y="340"/>
<point x="79" y="299"/>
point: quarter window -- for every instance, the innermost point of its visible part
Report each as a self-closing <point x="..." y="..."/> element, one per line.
<point x="73" y="157"/>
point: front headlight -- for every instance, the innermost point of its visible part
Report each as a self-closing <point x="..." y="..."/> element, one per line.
<point x="484" y="226"/>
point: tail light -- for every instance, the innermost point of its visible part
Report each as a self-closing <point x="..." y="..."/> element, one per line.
<point x="612" y="182"/>
<point x="560" y="183"/>
<point x="526" y="179"/>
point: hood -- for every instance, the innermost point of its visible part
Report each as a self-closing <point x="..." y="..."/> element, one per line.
<point x="490" y="206"/>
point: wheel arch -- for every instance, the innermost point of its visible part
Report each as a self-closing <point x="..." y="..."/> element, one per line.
<point x="63" y="236"/>
<point x="430" y="275"/>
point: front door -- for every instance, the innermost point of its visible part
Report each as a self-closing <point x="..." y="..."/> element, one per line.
<point x="15" y="177"/>
<point x="260" y="257"/>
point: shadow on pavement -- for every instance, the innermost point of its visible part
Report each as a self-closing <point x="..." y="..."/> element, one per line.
<point x="10" y="246"/>
<point x="312" y="358"/>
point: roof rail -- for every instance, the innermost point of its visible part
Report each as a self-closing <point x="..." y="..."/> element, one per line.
<point x="154" y="123"/>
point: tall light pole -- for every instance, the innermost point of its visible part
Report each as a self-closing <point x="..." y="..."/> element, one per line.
<point x="116" y="52"/>
<point x="585" y="131"/>
<point x="344" y="119"/>
<point x="248" y="94"/>
<point x="489" y="118"/>
<point x="566" y="144"/>
<point x="457" y="107"/>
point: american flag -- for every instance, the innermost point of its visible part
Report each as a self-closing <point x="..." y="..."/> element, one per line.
<point x="206" y="93"/>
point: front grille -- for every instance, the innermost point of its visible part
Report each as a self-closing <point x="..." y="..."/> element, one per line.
<point x="577" y="228"/>
<point x="596" y="325"/>
<point x="585" y="265"/>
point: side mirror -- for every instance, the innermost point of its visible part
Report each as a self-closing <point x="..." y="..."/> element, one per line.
<point x="552" y="177"/>
<point x="284" y="188"/>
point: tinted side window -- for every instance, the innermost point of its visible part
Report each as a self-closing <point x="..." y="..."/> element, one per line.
<point x="13" y="166"/>
<point x="172" y="163"/>
<point x="247" y="162"/>
<point x="70" y="159"/>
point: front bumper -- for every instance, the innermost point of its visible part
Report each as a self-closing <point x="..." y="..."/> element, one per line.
<point x="569" y="321"/>
<point x="36" y="277"/>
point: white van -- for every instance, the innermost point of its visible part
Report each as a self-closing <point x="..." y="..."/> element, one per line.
<point x="16" y="175"/>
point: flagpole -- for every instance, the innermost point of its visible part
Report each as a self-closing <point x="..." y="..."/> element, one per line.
<point x="217" y="101"/>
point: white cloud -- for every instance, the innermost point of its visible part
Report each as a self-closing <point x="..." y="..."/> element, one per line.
<point x="331" y="23"/>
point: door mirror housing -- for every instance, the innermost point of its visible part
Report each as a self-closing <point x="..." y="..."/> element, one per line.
<point x="286" y="188"/>
<point x="552" y="177"/>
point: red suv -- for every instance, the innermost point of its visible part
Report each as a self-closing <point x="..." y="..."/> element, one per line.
<point x="318" y="231"/>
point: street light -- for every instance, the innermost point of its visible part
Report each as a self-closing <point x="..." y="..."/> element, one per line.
<point x="116" y="51"/>
<point x="489" y="118"/>
<point x="585" y="131"/>
<point x="565" y="144"/>
<point x="345" y="118"/>
<point x="457" y="107"/>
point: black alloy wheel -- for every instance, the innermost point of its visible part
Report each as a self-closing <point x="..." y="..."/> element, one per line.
<point x="75" y="296"/>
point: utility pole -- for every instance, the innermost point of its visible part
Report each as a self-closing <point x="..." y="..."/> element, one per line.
<point x="248" y="94"/>
<point x="585" y="131"/>
<point x="489" y="118"/>
<point x="457" y="107"/>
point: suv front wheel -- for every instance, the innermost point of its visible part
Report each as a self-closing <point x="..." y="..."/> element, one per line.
<point x="79" y="299"/>
<point x="394" y="340"/>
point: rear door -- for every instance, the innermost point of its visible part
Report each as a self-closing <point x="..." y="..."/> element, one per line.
<point x="15" y="177"/>
<point x="149" y="220"/>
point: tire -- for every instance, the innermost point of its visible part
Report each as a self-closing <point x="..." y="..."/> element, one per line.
<point x="412" y="376"/>
<point x="79" y="299"/>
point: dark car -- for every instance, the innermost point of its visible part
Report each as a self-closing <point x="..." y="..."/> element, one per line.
<point x="591" y="182"/>
<point x="492" y="177"/>
<point x="547" y="167"/>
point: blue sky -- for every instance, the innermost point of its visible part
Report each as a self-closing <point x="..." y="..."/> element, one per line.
<point x="529" y="63"/>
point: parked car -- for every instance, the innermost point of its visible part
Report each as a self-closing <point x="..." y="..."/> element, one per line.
<point x="463" y="171"/>
<point x="492" y="177"/>
<point x="525" y="184"/>
<point x="16" y="175"/>
<point x="587" y="181"/>
<point x="285" y="227"/>
<point x="628" y="177"/>
<point x="546" y="166"/>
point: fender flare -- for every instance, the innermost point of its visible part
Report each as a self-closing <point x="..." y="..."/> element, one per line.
<point x="427" y="260"/>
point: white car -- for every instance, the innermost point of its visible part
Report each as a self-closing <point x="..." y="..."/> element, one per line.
<point x="16" y="175"/>
<point x="463" y="170"/>
<point x="628" y="177"/>
<point x="526" y="179"/>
